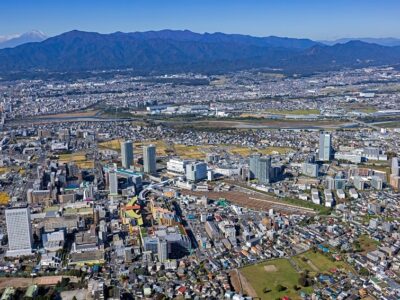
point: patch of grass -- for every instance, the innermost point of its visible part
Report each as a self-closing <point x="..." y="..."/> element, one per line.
<point x="85" y="164"/>
<point x="317" y="262"/>
<point x="78" y="158"/>
<point x="367" y="244"/>
<point x="368" y="110"/>
<point x="4" y="198"/>
<point x="394" y="124"/>
<point x="190" y="152"/>
<point x="72" y="157"/>
<point x="52" y="208"/>
<point x="161" y="147"/>
<point x="322" y="210"/>
<point x="284" y="275"/>
<point x="112" y="144"/>
<point x="4" y="170"/>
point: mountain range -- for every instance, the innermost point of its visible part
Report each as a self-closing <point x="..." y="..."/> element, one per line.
<point x="14" y="40"/>
<point x="379" y="41"/>
<point x="185" y="51"/>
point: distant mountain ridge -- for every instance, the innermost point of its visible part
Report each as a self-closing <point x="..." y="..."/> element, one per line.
<point x="185" y="51"/>
<point x="389" y="42"/>
<point x="20" y="39"/>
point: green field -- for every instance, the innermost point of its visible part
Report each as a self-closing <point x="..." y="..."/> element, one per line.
<point x="394" y="124"/>
<point x="318" y="263"/>
<point x="368" y="110"/>
<point x="284" y="274"/>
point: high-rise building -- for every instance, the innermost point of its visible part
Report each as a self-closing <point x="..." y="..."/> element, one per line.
<point x="265" y="174"/>
<point x="126" y="154"/>
<point x="113" y="182"/>
<point x="19" y="231"/>
<point x="325" y="147"/>
<point x="395" y="166"/>
<point x="254" y="164"/>
<point x="261" y="169"/>
<point x="149" y="159"/>
<point x="162" y="250"/>
<point x="196" y="171"/>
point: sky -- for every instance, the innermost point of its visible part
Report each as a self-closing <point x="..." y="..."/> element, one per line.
<point x="315" y="19"/>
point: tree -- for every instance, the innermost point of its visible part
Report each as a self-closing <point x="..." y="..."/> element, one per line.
<point x="363" y="271"/>
<point x="303" y="279"/>
<point x="280" y="288"/>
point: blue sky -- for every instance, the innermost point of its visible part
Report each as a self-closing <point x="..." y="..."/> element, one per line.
<point x="317" y="19"/>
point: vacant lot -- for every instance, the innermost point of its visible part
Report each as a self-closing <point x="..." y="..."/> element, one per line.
<point x="269" y="275"/>
<point x="4" y="198"/>
<point x="246" y="151"/>
<point x="4" y="170"/>
<point x="261" y="203"/>
<point x="367" y="244"/>
<point x="78" y="158"/>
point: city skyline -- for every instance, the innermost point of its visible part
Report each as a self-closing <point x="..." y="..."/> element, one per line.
<point x="301" y="19"/>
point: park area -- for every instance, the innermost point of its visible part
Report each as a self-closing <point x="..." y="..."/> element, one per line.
<point x="267" y="279"/>
<point x="315" y="262"/>
<point x="280" y="277"/>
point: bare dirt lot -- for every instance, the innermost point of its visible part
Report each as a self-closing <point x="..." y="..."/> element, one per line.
<point x="252" y="200"/>
<point x="270" y="268"/>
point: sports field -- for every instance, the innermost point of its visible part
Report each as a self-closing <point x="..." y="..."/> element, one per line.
<point x="269" y="275"/>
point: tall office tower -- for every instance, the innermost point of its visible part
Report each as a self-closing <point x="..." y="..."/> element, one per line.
<point x="149" y="159"/>
<point x="254" y="163"/>
<point x="162" y="250"/>
<point x="113" y="182"/>
<point x="260" y="168"/>
<point x="196" y="171"/>
<point x="395" y="166"/>
<point x="126" y="154"/>
<point x="19" y="231"/>
<point x="325" y="147"/>
<point x="265" y="174"/>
